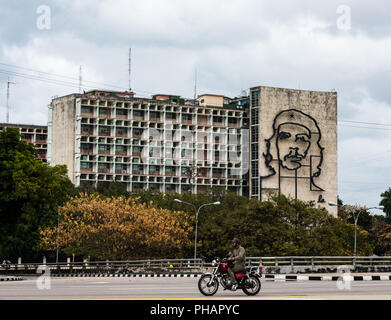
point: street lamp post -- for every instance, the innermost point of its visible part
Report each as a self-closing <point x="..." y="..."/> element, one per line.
<point x="58" y="225"/>
<point x="196" y="211"/>
<point x="355" y="221"/>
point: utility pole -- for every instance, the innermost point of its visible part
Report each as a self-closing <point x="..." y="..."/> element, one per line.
<point x="8" y="97"/>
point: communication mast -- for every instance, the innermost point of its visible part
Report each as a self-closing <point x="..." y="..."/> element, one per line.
<point x="130" y="64"/>
<point x="8" y="97"/>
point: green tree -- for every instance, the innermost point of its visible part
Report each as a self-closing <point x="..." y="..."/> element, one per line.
<point x="386" y="202"/>
<point x="30" y="192"/>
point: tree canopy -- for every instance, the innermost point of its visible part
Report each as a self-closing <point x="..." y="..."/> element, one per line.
<point x="30" y="192"/>
<point x="118" y="228"/>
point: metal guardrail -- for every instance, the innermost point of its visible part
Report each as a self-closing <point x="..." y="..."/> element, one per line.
<point x="319" y="261"/>
<point x="191" y="264"/>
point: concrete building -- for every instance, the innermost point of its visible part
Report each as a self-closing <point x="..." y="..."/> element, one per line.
<point x="36" y="135"/>
<point x="293" y="136"/>
<point x="271" y="141"/>
<point x="166" y="143"/>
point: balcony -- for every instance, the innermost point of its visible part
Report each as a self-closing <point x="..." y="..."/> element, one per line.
<point x="104" y="133"/>
<point x="121" y="116"/>
<point x="86" y="133"/>
<point x="121" y="171"/>
<point x="138" y="172"/>
<point x="103" y="151"/>
<point x="121" y="153"/>
<point x="86" y="151"/>
<point x="87" y="114"/>
<point x="170" y="174"/>
<point x="84" y="170"/>
<point x="121" y="134"/>
<point x="233" y="125"/>
<point x="104" y="170"/>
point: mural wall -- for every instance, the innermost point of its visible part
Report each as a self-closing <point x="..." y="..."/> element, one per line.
<point x="294" y="145"/>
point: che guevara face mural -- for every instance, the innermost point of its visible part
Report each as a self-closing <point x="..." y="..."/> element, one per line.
<point x="294" y="150"/>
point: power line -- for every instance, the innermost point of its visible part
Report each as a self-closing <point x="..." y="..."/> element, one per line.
<point x="361" y="127"/>
<point x="105" y="85"/>
<point x="370" y="123"/>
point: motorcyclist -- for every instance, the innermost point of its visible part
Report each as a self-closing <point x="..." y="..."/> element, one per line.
<point x="237" y="256"/>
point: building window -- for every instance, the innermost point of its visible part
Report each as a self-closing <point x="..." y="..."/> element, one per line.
<point x="86" y="109"/>
<point x="120" y="167"/>
<point x="254" y="98"/>
<point x="105" y="130"/>
<point x="136" y="167"/>
<point x="121" y="112"/>
<point x="103" y="111"/>
<point x="120" y="148"/>
<point x="254" y="134"/>
<point x="254" y="151"/>
<point x="254" y="169"/>
<point x="86" y="165"/>
<point x="254" y="116"/>
<point x="103" y="147"/>
<point x="254" y="187"/>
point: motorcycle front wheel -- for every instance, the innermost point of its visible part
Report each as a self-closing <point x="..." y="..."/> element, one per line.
<point x="252" y="286"/>
<point x="206" y="286"/>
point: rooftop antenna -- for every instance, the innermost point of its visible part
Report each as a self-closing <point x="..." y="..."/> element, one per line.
<point x="130" y="69"/>
<point x="195" y="84"/>
<point x="8" y="97"/>
<point x="80" y="79"/>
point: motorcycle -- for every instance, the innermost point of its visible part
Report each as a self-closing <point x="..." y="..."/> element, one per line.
<point x="248" y="280"/>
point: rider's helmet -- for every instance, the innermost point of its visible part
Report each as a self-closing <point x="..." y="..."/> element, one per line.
<point x="236" y="240"/>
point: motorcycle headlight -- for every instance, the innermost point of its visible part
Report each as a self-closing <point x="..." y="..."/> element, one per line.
<point x="214" y="263"/>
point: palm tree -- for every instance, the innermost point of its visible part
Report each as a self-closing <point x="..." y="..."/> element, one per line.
<point x="386" y="202"/>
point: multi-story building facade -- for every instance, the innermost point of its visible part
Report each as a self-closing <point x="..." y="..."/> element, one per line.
<point x="36" y="135"/>
<point x="293" y="138"/>
<point x="273" y="141"/>
<point x="166" y="144"/>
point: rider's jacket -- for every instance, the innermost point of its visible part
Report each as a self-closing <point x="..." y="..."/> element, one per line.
<point x="239" y="256"/>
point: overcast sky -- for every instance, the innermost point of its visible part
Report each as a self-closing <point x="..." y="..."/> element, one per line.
<point x="234" y="45"/>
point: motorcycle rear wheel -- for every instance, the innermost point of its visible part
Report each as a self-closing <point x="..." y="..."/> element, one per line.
<point x="256" y="286"/>
<point x="203" y="285"/>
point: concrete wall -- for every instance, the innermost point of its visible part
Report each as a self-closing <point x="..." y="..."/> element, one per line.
<point x="63" y="133"/>
<point x="211" y="100"/>
<point x="302" y="123"/>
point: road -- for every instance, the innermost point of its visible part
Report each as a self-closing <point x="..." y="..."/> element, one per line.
<point x="184" y="288"/>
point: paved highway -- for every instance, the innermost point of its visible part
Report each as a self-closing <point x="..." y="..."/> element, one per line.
<point x="184" y="288"/>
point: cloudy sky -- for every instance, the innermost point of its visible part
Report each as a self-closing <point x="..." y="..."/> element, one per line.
<point x="233" y="45"/>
